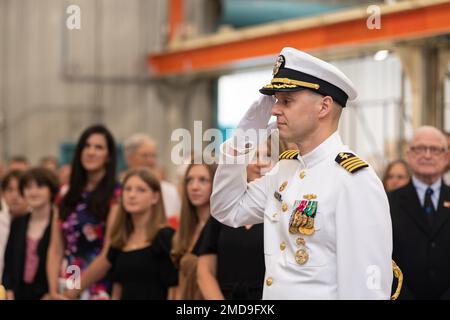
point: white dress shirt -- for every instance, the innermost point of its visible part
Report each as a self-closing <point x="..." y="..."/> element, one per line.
<point x="421" y="188"/>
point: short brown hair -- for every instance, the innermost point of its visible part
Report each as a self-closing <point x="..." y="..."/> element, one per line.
<point x="11" y="175"/>
<point x="43" y="177"/>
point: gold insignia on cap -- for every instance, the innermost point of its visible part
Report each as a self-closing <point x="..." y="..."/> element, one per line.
<point x="289" y="155"/>
<point x="278" y="64"/>
<point x="296" y="83"/>
<point x="279" y="86"/>
<point x="350" y="162"/>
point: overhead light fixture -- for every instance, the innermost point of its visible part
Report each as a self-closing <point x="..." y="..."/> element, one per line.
<point x="381" y="55"/>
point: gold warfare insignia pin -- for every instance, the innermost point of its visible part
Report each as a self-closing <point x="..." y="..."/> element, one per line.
<point x="278" y="64"/>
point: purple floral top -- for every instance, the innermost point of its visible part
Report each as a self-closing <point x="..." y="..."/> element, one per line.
<point x="84" y="234"/>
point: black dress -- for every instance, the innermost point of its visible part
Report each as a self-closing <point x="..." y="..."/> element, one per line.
<point x="147" y="273"/>
<point x="240" y="258"/>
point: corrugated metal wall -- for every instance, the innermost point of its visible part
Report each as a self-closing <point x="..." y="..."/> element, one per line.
<point x="56" y="81"/>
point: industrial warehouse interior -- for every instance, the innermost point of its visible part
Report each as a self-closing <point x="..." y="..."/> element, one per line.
<point x="224" y="150"/>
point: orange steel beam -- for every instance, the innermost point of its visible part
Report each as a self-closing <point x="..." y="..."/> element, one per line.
<point x="176" y="17"/>
<point x="419" y="22"/>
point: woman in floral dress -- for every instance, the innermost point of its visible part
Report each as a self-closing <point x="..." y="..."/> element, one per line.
<point x="79" y="231"/>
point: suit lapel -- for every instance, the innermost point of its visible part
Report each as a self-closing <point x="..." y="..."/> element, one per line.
<point x="411" y="205"/>
<point x="443" y="210"/>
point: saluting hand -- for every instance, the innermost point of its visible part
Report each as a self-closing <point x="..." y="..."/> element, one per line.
<point x="255" y="119"/>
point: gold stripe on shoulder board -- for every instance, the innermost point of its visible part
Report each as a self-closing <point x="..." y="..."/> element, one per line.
<point x="288" y="155"/>
<point x="350" y="162"/>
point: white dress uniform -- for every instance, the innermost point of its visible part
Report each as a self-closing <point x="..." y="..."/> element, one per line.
<point x="346" y="251"/>
<point x="349" y="252"/>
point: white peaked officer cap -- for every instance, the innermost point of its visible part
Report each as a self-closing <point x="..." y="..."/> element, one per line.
<point x="296" y="70"/>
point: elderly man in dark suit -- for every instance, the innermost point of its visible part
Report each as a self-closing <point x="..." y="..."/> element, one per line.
<point x="421" y="219"/>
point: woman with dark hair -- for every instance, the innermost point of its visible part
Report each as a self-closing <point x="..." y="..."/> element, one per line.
<point x="80" y="231"/>
<point x="14" y="201"/>
<point x="396" y="175"/>
<point x="26" y="253"/>
<point x="195" y="211"/>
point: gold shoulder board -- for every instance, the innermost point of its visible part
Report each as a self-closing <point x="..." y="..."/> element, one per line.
<point x="288" y="155"/>
<point x="350" y="162"/>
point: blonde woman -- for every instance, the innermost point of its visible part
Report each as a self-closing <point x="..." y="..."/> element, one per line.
<point x="195" y="211"/>
<point x="139" y="254"/>
<point x="141" y="242"/>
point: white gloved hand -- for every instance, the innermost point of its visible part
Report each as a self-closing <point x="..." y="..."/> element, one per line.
<point x="255" y="119"/>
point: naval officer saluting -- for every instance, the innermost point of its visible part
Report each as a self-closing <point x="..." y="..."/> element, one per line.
<point x="327" y="227"/>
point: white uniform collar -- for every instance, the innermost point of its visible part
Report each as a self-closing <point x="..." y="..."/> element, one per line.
<point x="322" y="151"/>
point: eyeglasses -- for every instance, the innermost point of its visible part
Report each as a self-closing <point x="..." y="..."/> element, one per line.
<point x="423" y="149"/>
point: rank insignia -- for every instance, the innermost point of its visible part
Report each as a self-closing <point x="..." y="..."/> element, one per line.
<point x="350" y="162"/>
<point x="289" y="155"/>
